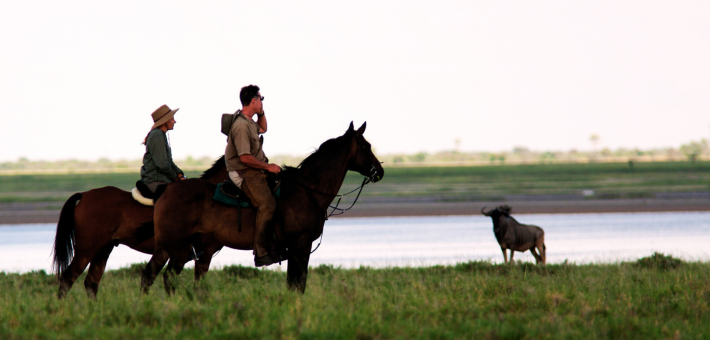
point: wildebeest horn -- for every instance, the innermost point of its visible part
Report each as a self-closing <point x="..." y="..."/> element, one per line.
<point x="482" y="210"/>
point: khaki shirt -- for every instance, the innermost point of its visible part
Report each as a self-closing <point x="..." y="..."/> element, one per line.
<point x="243" y="139"/>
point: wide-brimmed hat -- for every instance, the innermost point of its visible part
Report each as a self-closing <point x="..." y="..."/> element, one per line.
<point x="162" y="115"/>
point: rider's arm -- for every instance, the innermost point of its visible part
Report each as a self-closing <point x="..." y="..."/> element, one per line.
<point x="261" y="120"/>
<point x="252" y="162"/>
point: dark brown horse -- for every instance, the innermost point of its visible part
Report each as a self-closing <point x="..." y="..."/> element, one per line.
<point x="92" y="223"/>
<point x="186" y="209"/>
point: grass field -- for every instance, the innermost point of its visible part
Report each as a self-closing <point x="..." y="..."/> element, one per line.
<point x="609" y="180"/>
<point x="655" y="298"/>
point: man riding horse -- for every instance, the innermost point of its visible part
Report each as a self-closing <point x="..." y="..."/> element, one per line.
<point x="247" y="166"/>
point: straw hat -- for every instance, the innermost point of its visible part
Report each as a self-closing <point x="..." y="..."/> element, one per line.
<point x="161" y="115"/>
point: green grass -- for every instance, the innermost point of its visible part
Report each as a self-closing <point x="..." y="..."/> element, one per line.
<point x="658" y="297"/>
<point x="58" y="187"/>
<point x="609" y="180"/>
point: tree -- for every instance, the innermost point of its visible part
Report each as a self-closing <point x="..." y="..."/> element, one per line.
<point x="594" y="138"/>
<point x="694" y="149"/>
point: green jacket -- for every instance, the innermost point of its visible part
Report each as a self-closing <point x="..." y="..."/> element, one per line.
<point x="158" y="163"/>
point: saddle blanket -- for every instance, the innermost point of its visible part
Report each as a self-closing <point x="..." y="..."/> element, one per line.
<point x="220" y="197"/>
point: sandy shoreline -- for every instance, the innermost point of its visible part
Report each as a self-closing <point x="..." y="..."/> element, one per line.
<point x="25" y="213"/>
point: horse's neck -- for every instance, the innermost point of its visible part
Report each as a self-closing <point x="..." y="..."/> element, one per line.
<point x="327" y="176"/>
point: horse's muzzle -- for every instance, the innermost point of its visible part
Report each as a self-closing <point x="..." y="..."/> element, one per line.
<point x="376" y="176"/>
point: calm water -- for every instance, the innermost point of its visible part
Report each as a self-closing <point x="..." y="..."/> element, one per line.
<point x="419" y="241"/>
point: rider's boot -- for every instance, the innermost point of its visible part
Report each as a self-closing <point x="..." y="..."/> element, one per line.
<point x="264" y="248"/>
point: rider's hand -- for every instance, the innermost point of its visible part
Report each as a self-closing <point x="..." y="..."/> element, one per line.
<point x="273" y="168"/>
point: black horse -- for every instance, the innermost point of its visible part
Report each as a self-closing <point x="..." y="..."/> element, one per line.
<point x="186" y="209"/>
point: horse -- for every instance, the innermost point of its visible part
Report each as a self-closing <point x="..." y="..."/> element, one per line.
<point x="92" y="223"/>
<point x="186" y="209"/>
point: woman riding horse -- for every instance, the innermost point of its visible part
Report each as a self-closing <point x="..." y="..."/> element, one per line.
<point x="93" y="222"/>
<point x="158" y="166"/>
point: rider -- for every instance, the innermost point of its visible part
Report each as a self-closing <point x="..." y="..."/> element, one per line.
<point x="158" y="166"/>
<point x="247" y="166"/>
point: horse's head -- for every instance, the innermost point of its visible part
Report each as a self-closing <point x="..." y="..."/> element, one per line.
<point x="362" y="159"/>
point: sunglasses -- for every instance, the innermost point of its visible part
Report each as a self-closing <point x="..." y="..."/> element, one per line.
<point x="261" y="98"/>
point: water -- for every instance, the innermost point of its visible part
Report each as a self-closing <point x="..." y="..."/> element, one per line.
<point x="422" y="241"/>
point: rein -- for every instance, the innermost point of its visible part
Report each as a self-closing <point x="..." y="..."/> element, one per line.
<point x="341" y="211"/>
<point x="310" y="191"/>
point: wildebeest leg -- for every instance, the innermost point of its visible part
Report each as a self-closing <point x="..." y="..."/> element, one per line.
<point x="543" y="251"/>
<point x="505" y="255"/>
<point x="156" y="263"/>
<point x="96" y="271"/>
<point x="76" y="267"/>
<point x="512" y="251"/>
<point x="538" y="259"/>
<point x="297" y="272"/>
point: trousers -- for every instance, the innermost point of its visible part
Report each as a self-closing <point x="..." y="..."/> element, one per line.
<point x="257" y="189"/>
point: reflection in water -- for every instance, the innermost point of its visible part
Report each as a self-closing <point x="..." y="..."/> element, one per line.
<point x="420" y="241"/>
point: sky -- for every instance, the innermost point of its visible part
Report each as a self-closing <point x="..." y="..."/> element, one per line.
<point x="79" y="80"/>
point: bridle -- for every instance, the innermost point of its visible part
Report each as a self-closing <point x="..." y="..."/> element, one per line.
<point x="374" y="177"/>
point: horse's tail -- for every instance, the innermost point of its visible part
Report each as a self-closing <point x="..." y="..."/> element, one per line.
<point x="64" y="240"/>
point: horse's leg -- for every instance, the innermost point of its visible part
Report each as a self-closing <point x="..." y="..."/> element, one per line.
<point x="173" y="269"/>
<point x="297" y="272"/>
<point x="76" y="267"/>
<point x="505" y="255"/>
<point x="96" y="271"/>
<point x="175" y="266"/>
<point x="156" y="263"/>
<point x="203" y="264"/>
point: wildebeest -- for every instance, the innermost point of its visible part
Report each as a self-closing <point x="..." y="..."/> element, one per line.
<point x="515" y="236"/>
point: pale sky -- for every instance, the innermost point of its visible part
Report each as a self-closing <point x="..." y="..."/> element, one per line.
<point x="80" y="79"/>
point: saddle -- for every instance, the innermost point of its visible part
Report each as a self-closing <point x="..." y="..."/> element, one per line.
<point x="142" y="194"/>
<point x="229" y="194"/>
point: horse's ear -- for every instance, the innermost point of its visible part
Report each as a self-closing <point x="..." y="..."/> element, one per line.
<point x="361" y="130"/>
<point x="351" y="128"/>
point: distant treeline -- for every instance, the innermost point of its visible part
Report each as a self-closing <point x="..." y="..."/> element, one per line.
<point x="693" y="151"/>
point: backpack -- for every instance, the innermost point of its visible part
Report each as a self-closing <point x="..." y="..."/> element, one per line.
<point x="227" y="120"/>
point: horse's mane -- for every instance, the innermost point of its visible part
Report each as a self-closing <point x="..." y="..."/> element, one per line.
<point x="326" y="149"/>
<point x="214" y="169"/>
